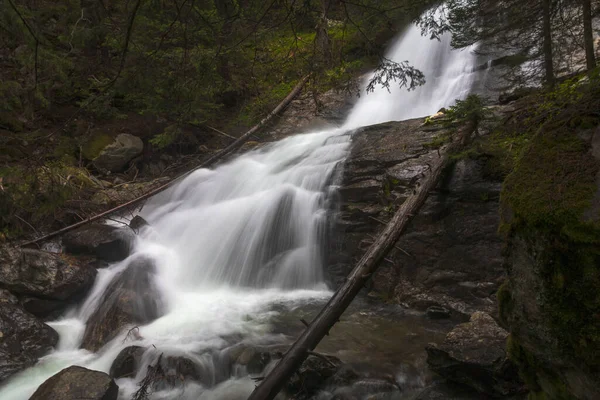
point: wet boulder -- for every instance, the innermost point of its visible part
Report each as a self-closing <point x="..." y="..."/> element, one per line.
<point x="137" y="223"/>
<point x="77" y="383"/>
<point x="127" y="362"/>
<point x="43" y="275"/>
<point x="116" y="155"/>
<point x="312" y="375"/>
<point x="23" y="338"/>
<point x="177" y="370"/>
<point x="474" y="354"/>
<point x="106" y="242"/>
<point x="132" y="298"/>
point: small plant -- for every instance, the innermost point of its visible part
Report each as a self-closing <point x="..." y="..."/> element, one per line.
<point x="470" y="110"/>
<point x="167" y="137"/>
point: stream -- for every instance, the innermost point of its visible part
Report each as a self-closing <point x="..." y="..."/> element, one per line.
<point x="237" y="255"/>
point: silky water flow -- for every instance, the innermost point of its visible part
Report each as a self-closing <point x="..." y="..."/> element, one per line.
<point x="229" y="248"/>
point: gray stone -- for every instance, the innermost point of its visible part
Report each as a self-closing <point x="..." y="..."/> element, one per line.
<point x="474" y="354"/>
<point x="116" y="155"/>
<point x="76" y="383"/>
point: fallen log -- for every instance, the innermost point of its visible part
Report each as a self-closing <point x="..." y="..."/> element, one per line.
<point x="205" y="164"/>
<point x="274" y="381"/>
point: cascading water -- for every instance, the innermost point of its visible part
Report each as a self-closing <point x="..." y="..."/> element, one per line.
<point x="228" y="246"/>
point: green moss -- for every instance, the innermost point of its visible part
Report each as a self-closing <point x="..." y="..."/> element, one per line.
<point x="505" y="302"/>
<point x="553" y="184"/>
<point x="92" y="147"/>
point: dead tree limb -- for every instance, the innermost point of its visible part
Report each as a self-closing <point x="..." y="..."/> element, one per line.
<point x="335" y="307"/>
<point x="206" y="163"/>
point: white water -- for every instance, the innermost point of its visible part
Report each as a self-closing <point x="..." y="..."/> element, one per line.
<point x="229" y="244"/>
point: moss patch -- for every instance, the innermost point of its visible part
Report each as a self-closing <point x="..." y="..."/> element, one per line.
<point x="92" y="147"/>
<point x="553" y="184"/>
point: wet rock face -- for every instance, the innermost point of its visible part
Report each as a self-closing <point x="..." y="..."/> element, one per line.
<point x="474" y="354"/>
<point x="106" y="242"/>
<point x="23" y="338"/>
<point x="46" y="282"/>
<point x="127" y="362"/>
<point x="78" y="383"/>
<point x="130" y="299"/>
<point x="450" y="254"/>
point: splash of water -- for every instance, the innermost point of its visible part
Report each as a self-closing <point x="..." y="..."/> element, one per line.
<point x="229" y="244"/>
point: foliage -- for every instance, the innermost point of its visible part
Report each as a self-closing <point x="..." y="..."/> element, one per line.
<point x="167" y="137"/>
<point x="471" y="110"/>
<point x="513" y="31"/>
<point x="388" y="72"/>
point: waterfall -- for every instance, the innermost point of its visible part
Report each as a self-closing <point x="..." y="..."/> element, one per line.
<point x="229" y="245"/>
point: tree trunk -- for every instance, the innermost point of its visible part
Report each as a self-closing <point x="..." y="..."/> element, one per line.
<point x="333" y="310"/>
<point x="588" y="35"/>
<point x="547" y="43"/>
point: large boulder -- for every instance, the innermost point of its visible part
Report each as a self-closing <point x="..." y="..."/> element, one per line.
<point x="23" y="338"/>
<point x="474" y="354"/>
<point x="132" y="298"/>
<point x="106" y="242"/>
<point x="43" y="275"/>
<point x="77" y="383"/>
<point x="115" y="156"/>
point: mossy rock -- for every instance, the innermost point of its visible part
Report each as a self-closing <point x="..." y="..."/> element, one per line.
<point x="94" y="145"/>
<point x="553" y="184"/>
<point x="551" y="302"/>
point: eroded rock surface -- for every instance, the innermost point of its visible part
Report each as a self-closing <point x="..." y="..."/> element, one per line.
<point x="450" y="254"/>
<point x="78" y="383"/>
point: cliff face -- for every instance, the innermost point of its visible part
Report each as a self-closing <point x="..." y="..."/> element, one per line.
<point x="551" y="302"/>
<point x="450" y="255"/>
